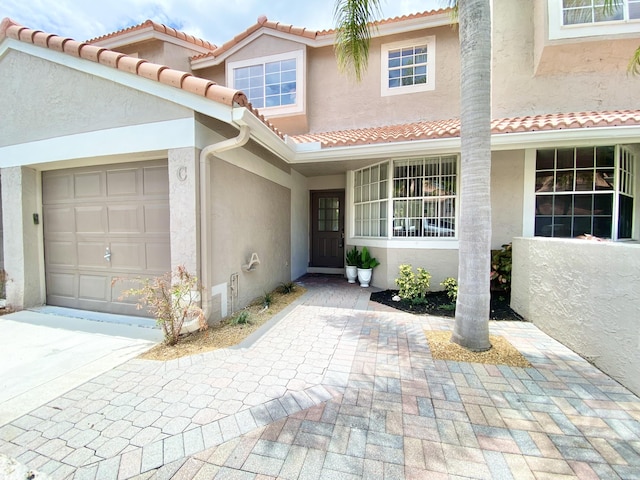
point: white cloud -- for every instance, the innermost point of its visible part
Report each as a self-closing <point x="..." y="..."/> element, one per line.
<point x="214" y="20"/>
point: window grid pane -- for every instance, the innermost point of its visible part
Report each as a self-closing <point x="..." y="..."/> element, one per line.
<point x="429" y="184"/>
<point x="370" y="199"/>
<point x="407" y="66"/>
<point x="271" y="84"/>
<point x="575" y="192"/>
<point x="579" y="12"/>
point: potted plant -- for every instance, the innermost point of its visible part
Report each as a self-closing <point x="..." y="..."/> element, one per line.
<point x="366" y="266"/>
<point x="353" y="260"/>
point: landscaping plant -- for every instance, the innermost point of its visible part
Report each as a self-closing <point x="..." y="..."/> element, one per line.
<point x="413" y="287"/>
<point x="450" y="285"/>
<point x="172" y="299"/>
<point x="501" y="268"/>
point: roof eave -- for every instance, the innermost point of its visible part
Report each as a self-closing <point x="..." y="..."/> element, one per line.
<point x="145" y="34"/>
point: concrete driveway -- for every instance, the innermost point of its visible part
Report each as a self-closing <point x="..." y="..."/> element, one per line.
<point x="46" y="353"/>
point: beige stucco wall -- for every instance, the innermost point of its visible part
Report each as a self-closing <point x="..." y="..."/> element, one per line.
<point x="300" y="208"/>
<point x="249" y="214"/>
<point x="23" y="246"/>
<point x="263" y="46"/>
<point x="161" y="52"/>
<point x="54" y="100"/>
<point x="532" y="75"/>
<point x="585" y="295"/>
<point x="507" y="177"/>
<point x="334" y="101"/>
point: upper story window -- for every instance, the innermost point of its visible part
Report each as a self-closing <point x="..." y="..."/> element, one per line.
<point x="576" y="12"/>
<point x="584" y="18"/>
<point x="586" y="190"/>
<point x="408" y="66"/>
<point x="274" y="83"/>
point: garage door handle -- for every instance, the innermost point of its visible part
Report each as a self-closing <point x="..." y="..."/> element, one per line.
<point x="107" y="255"/>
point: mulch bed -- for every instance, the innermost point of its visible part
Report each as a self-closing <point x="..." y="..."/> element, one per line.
<point x="437" y="303"/>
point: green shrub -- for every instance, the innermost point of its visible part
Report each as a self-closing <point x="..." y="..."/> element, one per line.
<point x="241" y="318"/>
<point x="366" y="260"/>
<point x="267" y="299"/>
<point x="413" y="287"/>
<point x="450" y="285"/>
<point x="287" y="287"/>
<point x="501" y="268"/>
<point x="353" y="257"/>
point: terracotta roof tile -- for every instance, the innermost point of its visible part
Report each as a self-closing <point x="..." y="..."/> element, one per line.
<point x="158" y="27"/>
<point x="431" y="130"/>
<point x="120" y="61"/>
<point x="402" y="18"/>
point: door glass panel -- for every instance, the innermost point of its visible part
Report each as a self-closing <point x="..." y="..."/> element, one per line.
<point x="328" y="214"/>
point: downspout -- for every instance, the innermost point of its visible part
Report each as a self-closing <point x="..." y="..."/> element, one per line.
<point x="205" y="248"/>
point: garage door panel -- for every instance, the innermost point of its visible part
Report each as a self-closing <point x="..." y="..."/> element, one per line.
<point x="62" y="284"/>
<point x="91" y="255"/>
<point x="91" y="219"/>
<point x="155" y="181"/>
<point x="125" y="219"/>
<point x="59" y="220"/>
<point x="62" y="254"/>
<point x="156" y="219"/>
<point x="122" y="182"/>
<point x="128" y="256"/>
<point x="157" y="255"/>
<point x="121" y="209"/>
<point x="58" y="187"/>
<point x="89" y="185"/>
<point x="94" y="287"/>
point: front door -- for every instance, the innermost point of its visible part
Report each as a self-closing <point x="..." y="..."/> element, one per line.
<point x="327" y="230"/>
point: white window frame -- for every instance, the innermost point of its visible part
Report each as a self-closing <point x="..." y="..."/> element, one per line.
<point x="558" y="31"/>
<point x="385" y="90"/>
<point x="298" y="56"/>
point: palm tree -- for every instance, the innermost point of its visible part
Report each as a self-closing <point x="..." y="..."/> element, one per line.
<point x="353" y="18"/>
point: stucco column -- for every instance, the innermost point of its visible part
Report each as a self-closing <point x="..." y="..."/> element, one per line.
<point x="185" y="208"/>
<point x="23" y="247"/>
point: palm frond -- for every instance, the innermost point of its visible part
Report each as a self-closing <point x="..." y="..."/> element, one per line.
<point x="354" y="19"/>
<point x="634" y="63"/>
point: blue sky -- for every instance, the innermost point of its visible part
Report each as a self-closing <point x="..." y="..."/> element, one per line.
<point x="214" y="20"/>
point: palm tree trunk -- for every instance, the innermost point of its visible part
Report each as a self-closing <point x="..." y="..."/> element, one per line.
<point x="472" y="308"/>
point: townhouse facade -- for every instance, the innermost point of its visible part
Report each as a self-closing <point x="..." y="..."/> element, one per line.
<point x="147" y="148"/>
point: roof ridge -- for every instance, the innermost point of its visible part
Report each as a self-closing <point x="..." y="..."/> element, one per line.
<point x="450" y="128"/>
<point x="397" y="18"/>
<point x="120" y="61"/>
<point x="158" y="27"/>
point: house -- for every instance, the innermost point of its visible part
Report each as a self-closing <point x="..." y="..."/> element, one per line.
<point x="147" y="148"/>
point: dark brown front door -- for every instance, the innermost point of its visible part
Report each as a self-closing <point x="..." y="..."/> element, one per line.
<point x="327" y="229"/>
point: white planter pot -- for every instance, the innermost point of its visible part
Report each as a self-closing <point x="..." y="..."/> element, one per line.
<point x="352" y="273"/>
<point x="364" y="276"/>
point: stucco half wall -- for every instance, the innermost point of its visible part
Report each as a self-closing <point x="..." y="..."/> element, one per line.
<point x="585" y="295"/>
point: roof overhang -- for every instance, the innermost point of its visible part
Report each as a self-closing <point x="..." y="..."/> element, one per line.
<point x="146" y="34"/>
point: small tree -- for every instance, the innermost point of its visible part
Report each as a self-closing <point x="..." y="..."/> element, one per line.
<point x="172" y="299"/>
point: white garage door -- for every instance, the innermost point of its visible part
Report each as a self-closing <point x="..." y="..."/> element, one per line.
<point x="101" y="224"/>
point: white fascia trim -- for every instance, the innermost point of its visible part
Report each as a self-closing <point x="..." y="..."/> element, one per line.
<point x="262" y="134"/>
<point x="148" y="33"/>
<point x="439" y="146"/>
<point x="569" y="137"/>
<point x="115" y="141"/>
<point x="189" y="100"/>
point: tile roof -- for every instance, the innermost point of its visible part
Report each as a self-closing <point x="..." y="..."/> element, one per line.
<point x="431" y="130"/>
<point x="158" y="27"/>
<point x="264" y="22"/>
<point x="120" y="61"/>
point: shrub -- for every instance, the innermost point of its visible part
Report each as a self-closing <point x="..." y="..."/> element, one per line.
<point x="413" y="287"/>
<point x="501" y="268"/>
<point x="241" y="318"/>
<point x="267" y="299"/>
<point x="353" y="257"/>
<point x="366" y="260"/>
<point x="171" y="299"/>
<point x="450" y="285"/>
<point x="287" y="287"/>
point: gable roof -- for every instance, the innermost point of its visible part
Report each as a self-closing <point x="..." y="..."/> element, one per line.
<point x="125" y="63"/>
<point x="302" y="32"/>
<point x="439" y="129"/>
<point x="150" y="25"/>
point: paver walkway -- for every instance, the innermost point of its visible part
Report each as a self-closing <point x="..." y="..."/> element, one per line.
<point x="340" y="388"/>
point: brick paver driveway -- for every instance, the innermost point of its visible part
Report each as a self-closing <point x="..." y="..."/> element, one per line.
<point x="340" y="388"/>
